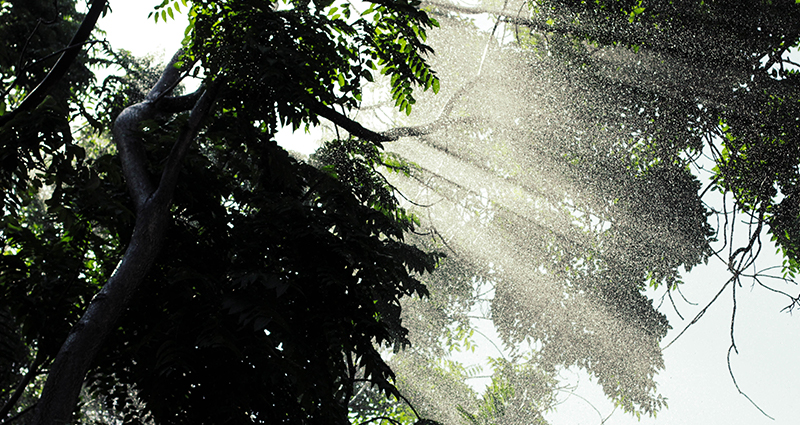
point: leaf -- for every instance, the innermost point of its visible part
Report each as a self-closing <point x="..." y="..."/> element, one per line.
<point x="435" y="85"/>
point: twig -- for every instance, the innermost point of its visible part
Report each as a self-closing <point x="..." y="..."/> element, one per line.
<point x="674" y="307"/>
<point x="18" y="415"/>
<point x="735" y="384"/>
<point x="700" y="314"/>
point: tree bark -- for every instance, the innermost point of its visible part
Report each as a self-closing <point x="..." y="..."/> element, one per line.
<point x="60" y="394"/>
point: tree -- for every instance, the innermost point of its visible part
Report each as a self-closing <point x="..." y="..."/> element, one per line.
<point x="585" y="130"/>
<point x="258" y="287"/>
<point x="289" y="277"/>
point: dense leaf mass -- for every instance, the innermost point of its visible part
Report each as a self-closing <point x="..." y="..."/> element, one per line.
<point x="585" y="142"/>
<point x="279" y="281"/>
<point x="561" y="178"/>
<point x="275" y="288"/>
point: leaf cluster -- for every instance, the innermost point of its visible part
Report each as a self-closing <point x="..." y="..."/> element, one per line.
<point x="277" y="286"/>
<point x="289" y="56"/>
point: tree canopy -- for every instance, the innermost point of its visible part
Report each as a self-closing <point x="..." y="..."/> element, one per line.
<point x="584" y="154"/>
<point x="299" y="311"/>
<point x="165" y="260"/>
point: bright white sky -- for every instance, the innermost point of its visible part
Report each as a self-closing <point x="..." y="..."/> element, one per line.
<point x="696" y="380"/>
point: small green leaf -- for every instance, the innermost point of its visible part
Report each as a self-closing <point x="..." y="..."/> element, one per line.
<point x="164" y="15"/>
<point x="435" y="85"/>
<point x="550" y="22"/>
<point x="171" y="15"/>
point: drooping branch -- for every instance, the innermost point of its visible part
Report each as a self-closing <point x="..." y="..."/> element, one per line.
<point x="61" y="390"/>
<point x="38" y="94"/>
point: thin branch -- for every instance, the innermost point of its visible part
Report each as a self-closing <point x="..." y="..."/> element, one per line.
<point x="18" y="415"/>
<point x="684" y="296"/>
<point x="795" y="300"/>
<point x="38" y="94"/>
<point x="357" y="130"/>
<point x="713" y="183"/>
<point x="573" y="393"/>
<point x="674" y="307"/>
<point x="733" y="320"/>
<point x="33" y="370"/>
<point x="353" y="127"/>
<point x="30" y="36"/>
<point x="409" y="405"/>
<point x="700" y="314"/>
<point x="735" y="384"/>
<point x="499" y="351"/>
<point x="424" y="130"/>
<point x="21" y="68"/>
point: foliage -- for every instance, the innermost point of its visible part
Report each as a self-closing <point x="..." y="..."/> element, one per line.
<point x="280" y="280"/>
<point x="314" y="52"/>
<point x="734" y="54"/>
<point x="575" y="163"/>
<point x="276" y="296"/>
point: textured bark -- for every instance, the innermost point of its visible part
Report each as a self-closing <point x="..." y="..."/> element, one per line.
<point x="63" y="385"/>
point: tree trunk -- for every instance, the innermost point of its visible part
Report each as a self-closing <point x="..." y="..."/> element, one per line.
<point x="67" y="373"/>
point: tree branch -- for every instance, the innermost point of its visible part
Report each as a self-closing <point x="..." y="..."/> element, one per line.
<point x="357" y="130"/>
<point x="169" y="176"/>
<point x="18" y="415"/>
<point x="61" y="67"/>
<point x="352" y="127"/>
<point x="173" y="104"/>
<point x="23" y="383"/>
<point x="126" y="129"/>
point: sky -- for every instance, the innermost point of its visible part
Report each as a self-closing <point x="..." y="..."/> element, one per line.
<point x="696" y="380"/>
